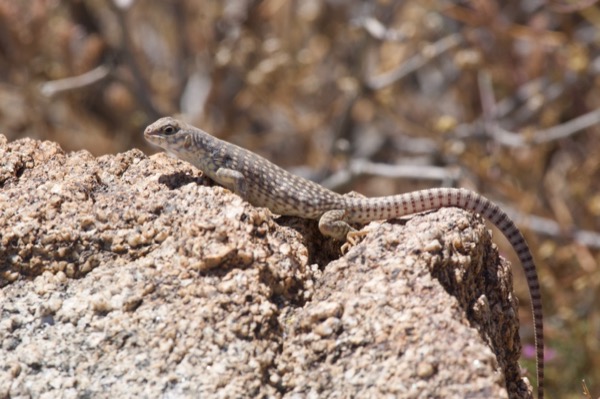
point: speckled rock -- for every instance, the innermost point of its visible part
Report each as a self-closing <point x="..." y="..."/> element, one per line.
<point x="392" y="318"/>
<point x="133" y="276"/>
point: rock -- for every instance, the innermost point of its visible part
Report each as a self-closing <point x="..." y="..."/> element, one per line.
<point x="134" y="276"/>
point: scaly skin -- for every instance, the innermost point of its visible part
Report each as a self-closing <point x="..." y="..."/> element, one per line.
<point x="267" y="185"/>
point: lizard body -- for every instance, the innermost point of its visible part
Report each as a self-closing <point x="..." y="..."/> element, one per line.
<point x="265" y="184"/>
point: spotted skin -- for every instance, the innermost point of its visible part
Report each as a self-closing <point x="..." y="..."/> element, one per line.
<point x="264" y="184"/>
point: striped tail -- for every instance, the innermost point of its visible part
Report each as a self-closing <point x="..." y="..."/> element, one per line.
<point x="364" y="210"/>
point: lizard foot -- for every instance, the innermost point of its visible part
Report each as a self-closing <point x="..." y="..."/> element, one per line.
<point x="352" y="238"/>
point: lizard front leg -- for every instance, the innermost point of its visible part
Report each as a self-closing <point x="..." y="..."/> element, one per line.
<point x="233" y="180"/>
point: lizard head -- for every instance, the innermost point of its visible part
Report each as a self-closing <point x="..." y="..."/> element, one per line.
<point x="184" y="141"/>
<point x="166" y="133"/>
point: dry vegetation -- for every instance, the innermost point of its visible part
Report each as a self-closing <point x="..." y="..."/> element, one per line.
<point x="499" y="98"/>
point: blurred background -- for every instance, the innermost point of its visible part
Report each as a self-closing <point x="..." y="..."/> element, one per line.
<point x="380" y="97"/>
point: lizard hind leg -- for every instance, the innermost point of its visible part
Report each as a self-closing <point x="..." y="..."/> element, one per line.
<point x="332" y="224"/>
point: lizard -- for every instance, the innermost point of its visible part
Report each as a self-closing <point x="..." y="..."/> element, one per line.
<point x="265" y="184"/>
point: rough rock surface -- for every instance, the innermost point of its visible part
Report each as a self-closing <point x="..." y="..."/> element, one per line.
<point x="130" y="276"/>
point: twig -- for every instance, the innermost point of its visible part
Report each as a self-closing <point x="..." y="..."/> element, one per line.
<point x="586" y="391"/>
<point x="570" y="7"/>
<point x="488" y="100"/>
<point x="126" y="47"/>
<point x="557" y="132"/>
<point x="568" y="128"/>
<point x="54" y="87"/>
<point x="537" y="102"/>
<point x="489" y="120"/>
<point x="551" y="228"/>
<point x="362" y="167"/>
<point x="378" y="30"/>
<point x="415" y="62"/>
<point x="504" y="107"/>
<point x="523" y="94"/>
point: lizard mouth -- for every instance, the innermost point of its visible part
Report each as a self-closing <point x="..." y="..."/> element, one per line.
<point x="153" y="137"/>
<point x="149" y="133"/>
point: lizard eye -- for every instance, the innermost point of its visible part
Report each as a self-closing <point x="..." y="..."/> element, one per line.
<point x="169" y="129"/>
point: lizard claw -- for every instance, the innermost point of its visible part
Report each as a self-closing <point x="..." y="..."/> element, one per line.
<point x="352" y="238"/>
